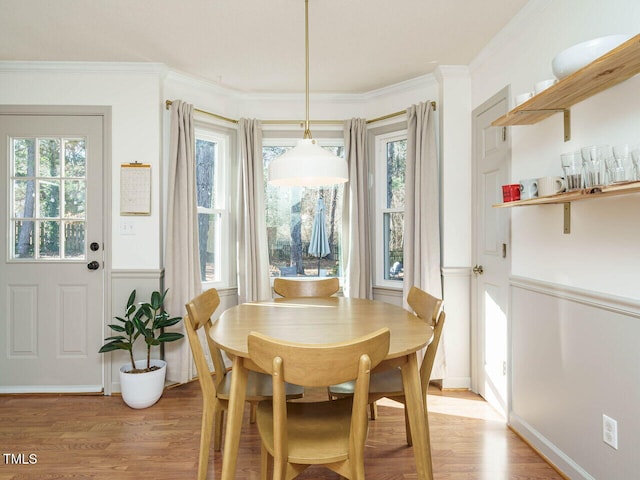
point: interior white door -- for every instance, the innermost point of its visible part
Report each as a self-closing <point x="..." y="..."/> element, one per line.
<point x="491" y="252"/>
<point x="51" y="249"/>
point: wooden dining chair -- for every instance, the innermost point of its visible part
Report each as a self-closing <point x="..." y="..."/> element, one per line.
<point x="388" y="383"/>
<point x="306" y="288"/>
<point x="216" y="389"/>
<point x="332" y="433"/>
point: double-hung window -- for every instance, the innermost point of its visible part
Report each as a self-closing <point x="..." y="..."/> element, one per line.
<point x="212" y="195"/>
<point x="390" y="158"/>
<point x="290" y="214"/>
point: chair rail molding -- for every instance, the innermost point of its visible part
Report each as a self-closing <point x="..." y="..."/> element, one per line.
<point x="456" y="271"/>
<point x="623" y="305"/>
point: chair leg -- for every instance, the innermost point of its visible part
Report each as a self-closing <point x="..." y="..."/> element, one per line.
<point x="218" y="420"/>
<point x="208" y="417"/>
<point x="407" y="427"/>
<point x="373" y="408"/>
<point x="252" y="413"/>
<point x="266" y="464"/>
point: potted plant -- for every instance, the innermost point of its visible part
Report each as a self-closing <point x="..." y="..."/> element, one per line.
<point x="142" y="381"/>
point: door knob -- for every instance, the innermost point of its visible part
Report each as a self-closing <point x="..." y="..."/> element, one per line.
<point x="93" y="265"/>
<point x="95" y="246"/>
<point x="478" y="270"/>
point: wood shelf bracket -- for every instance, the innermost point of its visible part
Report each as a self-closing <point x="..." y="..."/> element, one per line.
<point x="567" y="124"/>
<point x="567" y="218"/>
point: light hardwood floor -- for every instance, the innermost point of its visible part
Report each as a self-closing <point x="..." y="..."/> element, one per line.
<point x="96" y="437"/>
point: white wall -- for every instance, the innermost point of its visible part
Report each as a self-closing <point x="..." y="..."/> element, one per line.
<point x="132" y="90"/>
<point x="567" y="369"/>
<point x="455" y="173"/>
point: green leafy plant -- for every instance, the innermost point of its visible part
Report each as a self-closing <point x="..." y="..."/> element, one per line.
<point x="147" y="320"/>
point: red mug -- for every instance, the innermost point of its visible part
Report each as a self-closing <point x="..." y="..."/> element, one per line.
<point x="511" y="192"/>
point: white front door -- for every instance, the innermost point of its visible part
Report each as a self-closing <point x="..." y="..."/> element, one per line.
<point x="491" y="251"/>
<point x="51" y="249"/>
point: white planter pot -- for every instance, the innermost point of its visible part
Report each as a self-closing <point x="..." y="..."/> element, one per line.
<point x="141" y="390"/>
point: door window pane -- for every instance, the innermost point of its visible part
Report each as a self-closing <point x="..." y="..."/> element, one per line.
<point x="46" y="194"/>
<point x="24" y="199"/>
<point x="24" y="157"/>
<point x="49" y="245"/>
<point x="75" y="157"/>
<point x="23" y="235"/>
<point x="74" y="198"/>
<point x="74" y="239"/>
<point x="49" y="198"/>
<point x="49" y="149"/>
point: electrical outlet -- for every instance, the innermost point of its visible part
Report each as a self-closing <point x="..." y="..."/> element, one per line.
<point x="610" y="431"/>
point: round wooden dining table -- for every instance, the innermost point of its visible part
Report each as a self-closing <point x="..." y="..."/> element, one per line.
<point x="324" y="320"/>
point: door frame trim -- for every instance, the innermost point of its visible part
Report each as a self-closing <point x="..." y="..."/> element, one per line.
<point x="476" y="349"/>
<point x="104" y="111"/>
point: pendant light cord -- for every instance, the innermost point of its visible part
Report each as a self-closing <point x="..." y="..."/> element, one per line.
<point x="307" y="131"/>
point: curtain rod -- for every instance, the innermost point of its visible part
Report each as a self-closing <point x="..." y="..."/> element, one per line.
<point x="296" y="122"/>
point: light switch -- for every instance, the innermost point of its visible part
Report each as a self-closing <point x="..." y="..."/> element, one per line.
<point x="127" y="227"/>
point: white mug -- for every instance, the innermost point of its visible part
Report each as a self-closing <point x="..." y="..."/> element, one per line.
<point x="550" y="186"/>
<point x="528" y="188"/>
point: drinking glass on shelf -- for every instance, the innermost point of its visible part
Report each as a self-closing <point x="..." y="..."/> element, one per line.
<point x="635" y="161"/>
<point x="593" y="161"/>
<point x="572" y="166"/>
<point x="620" y="167"/>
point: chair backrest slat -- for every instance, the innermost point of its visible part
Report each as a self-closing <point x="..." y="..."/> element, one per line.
<point x="199" y="312"/>
<point x="320" y="364"/>
<point x="427" y="307"/>
<point x="306" y="288"/>
<point x="430" y="354"/>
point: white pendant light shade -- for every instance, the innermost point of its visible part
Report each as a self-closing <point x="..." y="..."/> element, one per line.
<point x="308" y="165"/>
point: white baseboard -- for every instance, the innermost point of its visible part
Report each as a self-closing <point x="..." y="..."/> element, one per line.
<point x="456" y="383"/>
<point x="48" y="389"/>
<point x="547" y="450"/>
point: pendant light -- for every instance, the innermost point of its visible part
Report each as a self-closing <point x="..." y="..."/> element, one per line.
<point x="307" y="164"/>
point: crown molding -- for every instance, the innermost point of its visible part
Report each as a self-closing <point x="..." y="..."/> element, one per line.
<point x="84" y="67"/>
<point x="201" y="84"/>
<point x="422" y="82"/>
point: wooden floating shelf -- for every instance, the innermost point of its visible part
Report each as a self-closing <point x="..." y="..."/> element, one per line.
<point x="584" y="194"/>
<point x="619" y="64"/>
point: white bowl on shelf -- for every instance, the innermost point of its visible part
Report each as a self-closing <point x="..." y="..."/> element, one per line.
<point x="542" y="85"/>
<point x="578" y="56"/>
<point x="523" y="97"/>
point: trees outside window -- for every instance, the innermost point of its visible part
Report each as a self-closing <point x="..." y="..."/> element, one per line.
<point x="48" y="198"/>
<point x="212" y="152"/>
<point x="390" y="158"/>
<point x="290" y="213"/>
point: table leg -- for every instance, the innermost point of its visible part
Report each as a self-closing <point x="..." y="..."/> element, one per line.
<point x="417" y="417"/>
<point x="234" y="419"/>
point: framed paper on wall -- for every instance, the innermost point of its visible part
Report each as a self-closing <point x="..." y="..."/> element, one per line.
<point x="135" y="189"/>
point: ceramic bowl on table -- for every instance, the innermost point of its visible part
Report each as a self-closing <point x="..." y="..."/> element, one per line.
<point x="578" y="56"/>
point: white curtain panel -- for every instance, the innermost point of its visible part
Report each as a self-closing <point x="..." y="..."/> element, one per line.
<point x="422" y="212"/>
<point x="182" y="260"/>
<point x="356" y="241"/>
<point x="253" y="259"/>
